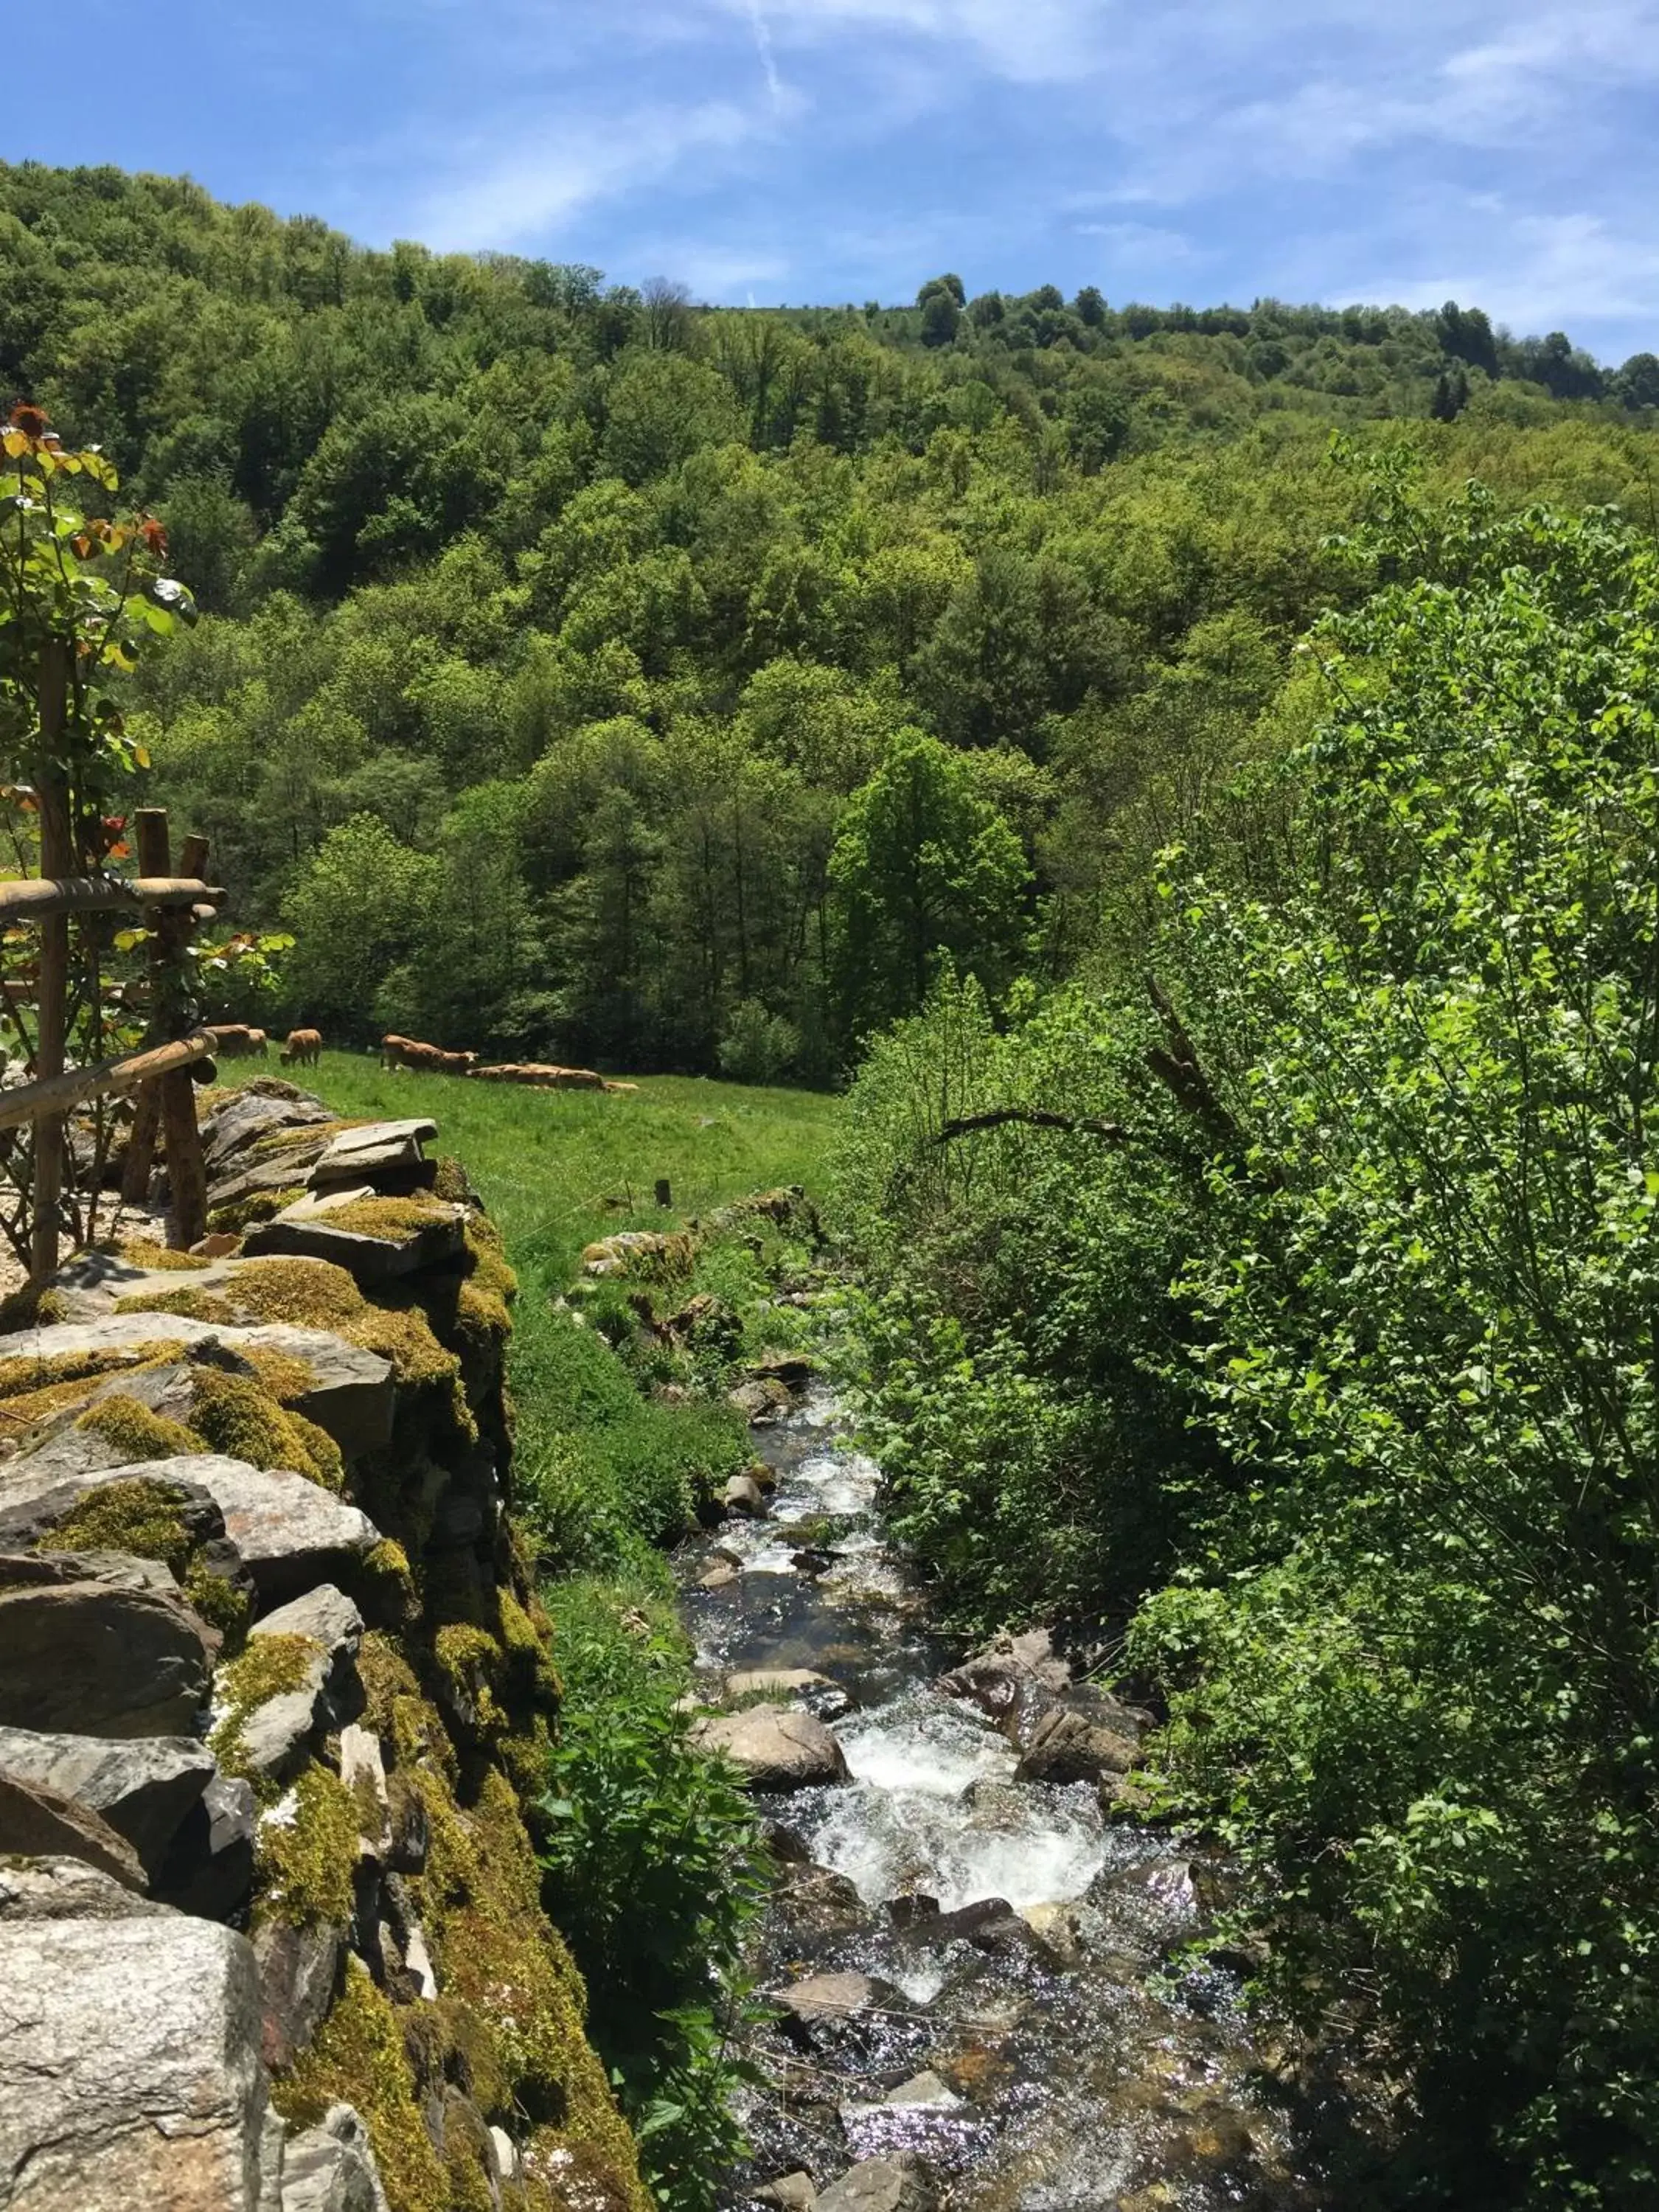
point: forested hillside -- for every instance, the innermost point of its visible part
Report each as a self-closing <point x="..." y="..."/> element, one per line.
<point x="588" y="675"/>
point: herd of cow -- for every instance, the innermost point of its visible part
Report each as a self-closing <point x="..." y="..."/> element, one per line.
<point x="239" y="1041"/>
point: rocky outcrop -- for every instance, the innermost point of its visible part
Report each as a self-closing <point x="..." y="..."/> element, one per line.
<point x="272" y="1678"/>
<point x="773" y="1748"/>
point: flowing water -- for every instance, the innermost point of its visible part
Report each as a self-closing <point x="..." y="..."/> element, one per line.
<point x="1050" y="2061"/>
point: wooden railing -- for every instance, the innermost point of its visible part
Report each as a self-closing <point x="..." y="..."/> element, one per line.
<point x="160" y="1071"/>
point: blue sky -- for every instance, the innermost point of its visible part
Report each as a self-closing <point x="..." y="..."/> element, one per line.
<point x="1410" y="150"/>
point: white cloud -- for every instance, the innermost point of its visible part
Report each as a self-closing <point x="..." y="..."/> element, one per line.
<point x="558" y="166"/>
<point x="1542" y="272"/>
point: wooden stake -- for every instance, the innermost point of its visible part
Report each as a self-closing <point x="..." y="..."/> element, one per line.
<point x="57" y="859"/>
<point x="141" y="1146"/>
<point x="186" y="1173"/>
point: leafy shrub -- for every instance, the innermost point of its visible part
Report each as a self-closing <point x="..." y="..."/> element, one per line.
<point x="758" y="1047"/>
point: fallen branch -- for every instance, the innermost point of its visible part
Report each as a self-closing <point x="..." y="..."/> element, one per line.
<point x="1036" y="1117"/>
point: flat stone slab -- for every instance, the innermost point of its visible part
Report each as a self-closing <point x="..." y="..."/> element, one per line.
<point x="773" y="1747"/>
<point x="378" y="1150"/>
<point x="129" y="2072"/>
<point x="305" y="1232"/>
<point x="351" y="1393"/>
<point x="89" y="1658"/>
<point x="61" y="1888"/>
<point x="244" y="1120"/>
<point x="143" y="1786"/>
<point x="288" y="1531"/>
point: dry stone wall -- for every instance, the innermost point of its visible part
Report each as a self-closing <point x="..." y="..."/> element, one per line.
<point x="275" y="1698"/>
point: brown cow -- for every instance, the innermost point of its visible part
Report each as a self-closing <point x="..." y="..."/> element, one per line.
<point x="424" y="1059"/>
<point x="258" y="1044"/>
<point x="303" y="1049"/>
<point x="233" y="1040"/>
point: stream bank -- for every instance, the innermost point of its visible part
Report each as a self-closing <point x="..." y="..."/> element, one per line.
<point x="971" y="1956"/>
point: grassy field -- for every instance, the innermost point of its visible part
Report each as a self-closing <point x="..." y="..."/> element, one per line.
<point x="551" y="1164"/>
<point x="606" y="1471"/>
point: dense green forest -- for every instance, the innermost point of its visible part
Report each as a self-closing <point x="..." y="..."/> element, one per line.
<point x="592" y="677"/>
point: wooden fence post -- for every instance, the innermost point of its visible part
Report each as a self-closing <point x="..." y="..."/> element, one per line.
<point x="176" y="1094"/>
<point x="57" y="859"/>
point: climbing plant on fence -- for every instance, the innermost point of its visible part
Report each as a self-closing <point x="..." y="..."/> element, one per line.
<point x="82" y="598"/>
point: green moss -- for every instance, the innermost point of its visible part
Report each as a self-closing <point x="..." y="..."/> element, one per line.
<point x="131" y="1429"/>
<point x="271" y="1667"/>
<point x="144" y="1252"/>
<point x="278" y="1141"/>
<point x="258" y="1205"/>
<point x="303" y="1865"/>
<point x="218" y="1602"/>
<point x="194" y="1303"/>
<point x="141" y="1517"/>
<point x="487" y="1268"/>
<point x="31" y="1307"/>
<point x="282" y="1374"/>
<point x="395" y="1219"/>
<point x="28" y="1377"/>
<point x="357" y="2057"/>
<point x="390" y="1586"/>
<point x="316" y="1294"/>
<point x="473" y="1663"/>
<point x="236" y="1416"/>
<point x="513" y="1993"/>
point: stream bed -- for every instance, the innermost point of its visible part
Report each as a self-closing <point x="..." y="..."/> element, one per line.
<point x="982" y="1959"/>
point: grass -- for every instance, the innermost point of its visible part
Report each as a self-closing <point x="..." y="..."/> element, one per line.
<point x="547" y="1163"/>
<point x="607" y="1476"/>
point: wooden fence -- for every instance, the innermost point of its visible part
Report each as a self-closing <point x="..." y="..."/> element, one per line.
<point x="160" y="1071"/>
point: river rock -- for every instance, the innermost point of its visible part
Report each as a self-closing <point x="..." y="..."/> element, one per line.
<point x="142" y="1786"/>
<point x="37" y="1821"/>
<point x="774" y="1749"/>
<point x="833" y="1997"/>
<point x="759" y="1399"/>
<point x="775" y="1682"/>
<point x="129" y="2072"/>
<point x="93" y="1659"/>
<point x="926" y="2089"/>
<point x="1009" y="1676"/>
<point x="900" y="2184"/>
<point x="790" y="2192"/>
<point x="1089" y="1735"/>
<point x="743" y="1494"/>
<point x="814" y="1901"/>
<point x="330" y="2167"/>
<point x="208" y="1870"/>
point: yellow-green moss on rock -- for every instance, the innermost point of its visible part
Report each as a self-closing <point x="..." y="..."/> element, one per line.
<point x="271" y="1667"/>
<point x="357" y="2057"/>
<point x="144" y="1252"/>
<point x="306" y="1853"/>
<point x="137" y="1431"/>
<point x="140" y="1517"/>
<point x="237" y="1417"/>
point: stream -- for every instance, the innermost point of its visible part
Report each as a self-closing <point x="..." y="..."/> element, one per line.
<point x="1039" y="2059"/>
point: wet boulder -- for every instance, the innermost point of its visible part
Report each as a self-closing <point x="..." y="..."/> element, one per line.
<point x="833" y="1996"/>
<point x="900" y="2184"/>
<point x="744" y="1495"/>
<point x="1010" y="1678"/>
<point x="1088" y="1735"/>
<point x="773" y="1748"/>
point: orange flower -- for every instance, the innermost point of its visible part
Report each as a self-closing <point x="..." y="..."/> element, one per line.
<point x="153" y="535"/>
<point x="32" y="421"/>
